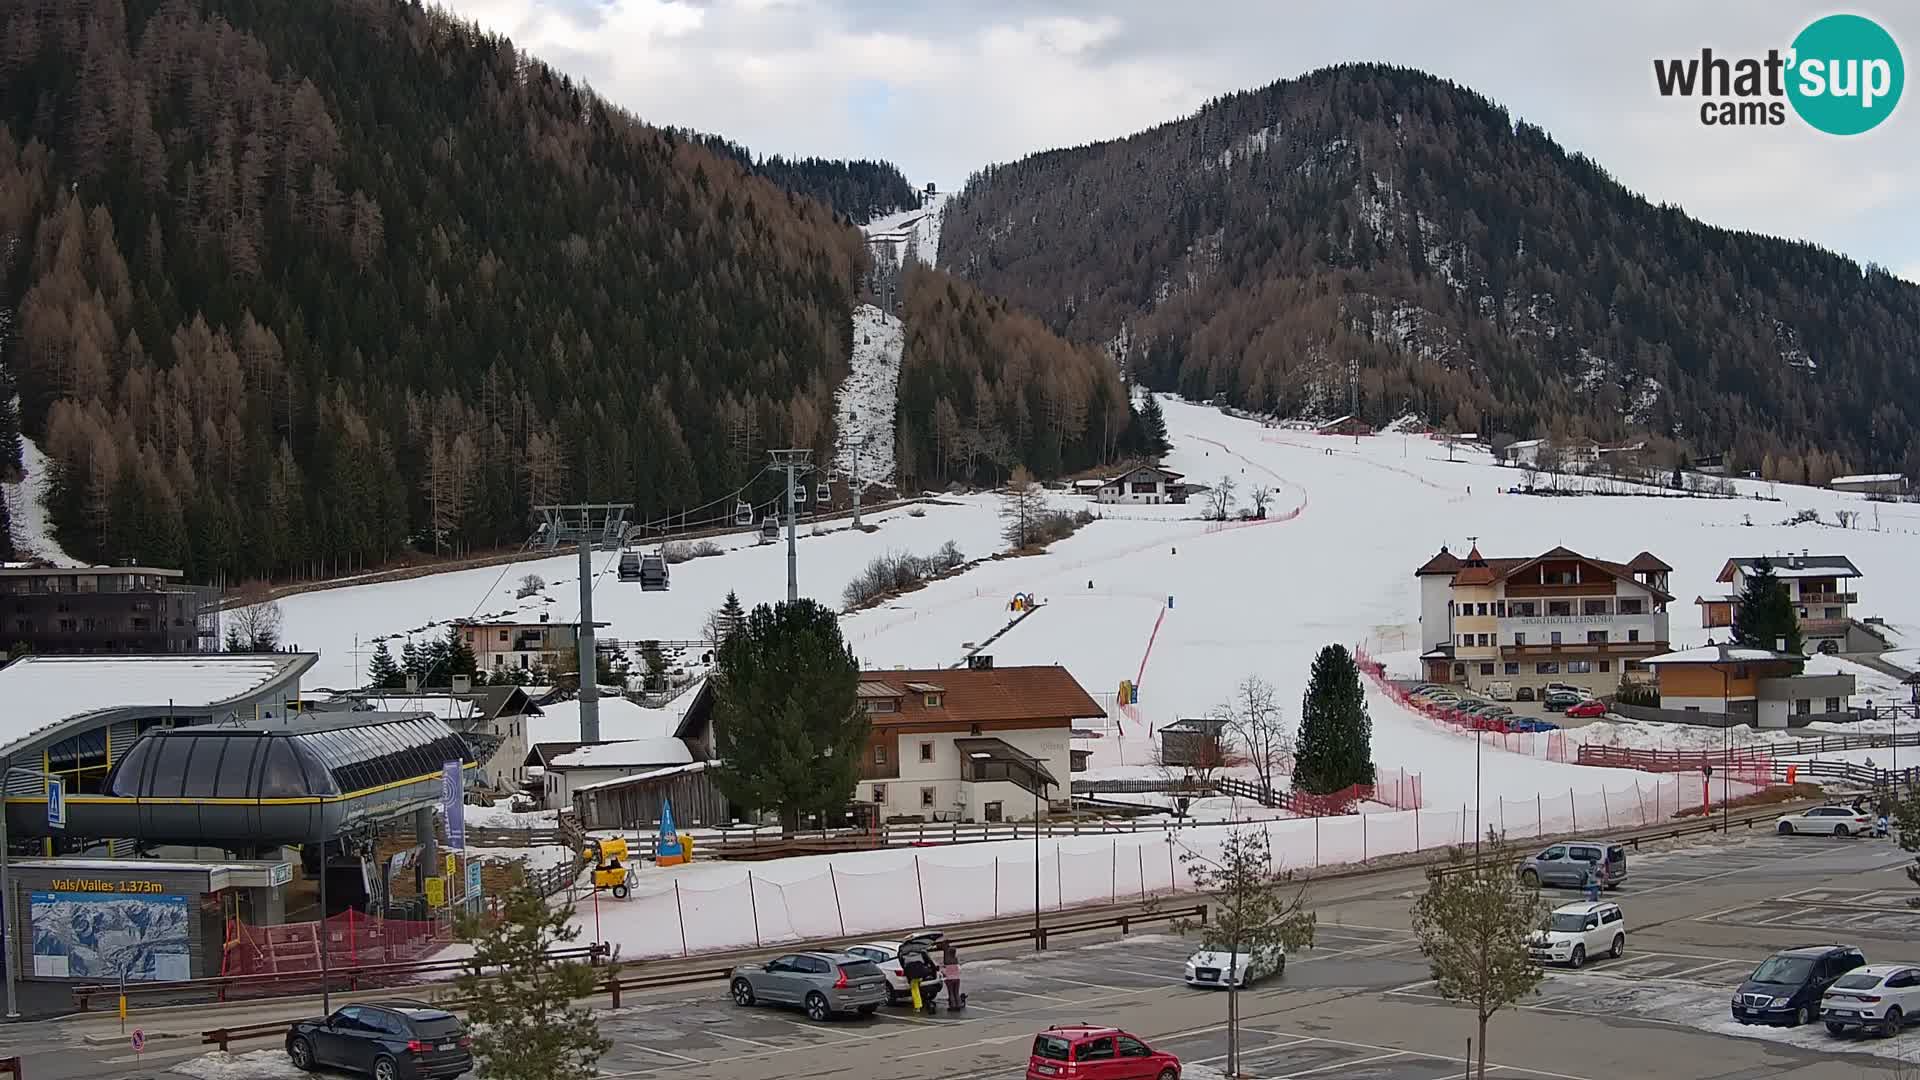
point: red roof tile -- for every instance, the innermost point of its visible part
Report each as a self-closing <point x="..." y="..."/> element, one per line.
<point x="992" y="694"/>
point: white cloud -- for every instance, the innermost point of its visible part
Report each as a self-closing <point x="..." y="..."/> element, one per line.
<point x="944" y="89"/>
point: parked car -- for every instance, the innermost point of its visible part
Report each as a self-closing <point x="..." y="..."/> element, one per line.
<point x="1588" y="709"/>
<point x="823" y="983"/>
<point x="1568" y="688"/>
<point x="887" y="958"/>
<point x="1524" y="693"/>
<point x="1567" y="864"/>
<point x="1787" y="987"/>
<point x="1574" y="933"/>
<point x="1879" y="996"/>
<point x="1562" y="700"/>
<point x="1206" y="968"/>
<point x="1828" y="820"/>
<point x="1500" y="690"/>
<point x="1097" y="1053"/>
<point x="387" y="1040"/>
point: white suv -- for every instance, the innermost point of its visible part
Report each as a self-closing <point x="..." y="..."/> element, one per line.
<point x="1575" y="933"/>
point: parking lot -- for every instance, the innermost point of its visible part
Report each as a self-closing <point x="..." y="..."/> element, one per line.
<point x="1357" y="1005"/>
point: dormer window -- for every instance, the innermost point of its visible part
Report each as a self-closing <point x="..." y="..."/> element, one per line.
<point x="933" y="701"/>
<point x="881" y="705"/>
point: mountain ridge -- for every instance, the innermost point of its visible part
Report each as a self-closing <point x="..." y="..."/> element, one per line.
<point x="1472" y="269"/>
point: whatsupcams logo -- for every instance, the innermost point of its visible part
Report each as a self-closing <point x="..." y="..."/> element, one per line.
<point x="1842" y="75"/>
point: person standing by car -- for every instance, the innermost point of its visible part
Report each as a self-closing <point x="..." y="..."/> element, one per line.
<point x="950" y="971"/>
<point x="1593" y="883"/>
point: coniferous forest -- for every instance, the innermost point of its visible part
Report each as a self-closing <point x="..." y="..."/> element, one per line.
<point x="1476" y="274"/>
<point x="301" y="283"/>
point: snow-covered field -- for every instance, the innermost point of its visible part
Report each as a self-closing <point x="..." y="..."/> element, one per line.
<point x="1348" y="523"/>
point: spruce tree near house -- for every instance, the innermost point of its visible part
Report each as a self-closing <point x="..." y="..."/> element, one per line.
<point x="1764" y="616"/>
<point x="382" y="672"/>
<point x="789" y="730"/>
<point x="1335" y="746"/>
<point x="1472" y="924"/>
<point x="1153" y="428"/>
<point x="524" y="1015"/>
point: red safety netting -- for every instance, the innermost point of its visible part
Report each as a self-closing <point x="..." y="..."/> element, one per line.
<point x="351" y="938"/>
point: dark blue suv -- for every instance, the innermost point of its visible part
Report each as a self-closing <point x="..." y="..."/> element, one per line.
<point x="389" y="1040"/>
<point x="1786" y="987"/>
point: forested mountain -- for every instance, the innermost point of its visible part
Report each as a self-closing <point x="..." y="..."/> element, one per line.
<point x="1475" y="271"/>
<point x="300" y="282"/>
<point x="859" y="190"/>
<point x="984" y="387"/>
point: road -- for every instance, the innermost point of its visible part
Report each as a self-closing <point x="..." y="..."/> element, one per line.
<point x="1700" y="914"/>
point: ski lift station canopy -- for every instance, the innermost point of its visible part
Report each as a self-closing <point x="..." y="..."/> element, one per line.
<point x="227" y="762"/>
<point x="600" y="524"/>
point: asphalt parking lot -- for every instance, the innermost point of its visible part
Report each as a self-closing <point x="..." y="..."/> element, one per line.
<point x="1357" y="1005"/>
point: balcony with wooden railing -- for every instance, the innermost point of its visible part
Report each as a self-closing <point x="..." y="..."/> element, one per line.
<point x="1583" y="648"/>
<point x="1829" y="598"/>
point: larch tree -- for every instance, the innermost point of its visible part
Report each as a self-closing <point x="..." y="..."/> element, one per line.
<point x="1254" y="916"/>
<point x="1023" y="503"/>
<point x="528" y="1019"/>
<point x="1472" y="923"/>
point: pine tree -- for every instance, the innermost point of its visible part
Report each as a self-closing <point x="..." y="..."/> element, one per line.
<point x="656" y="665"/>
<point x="1153" y="428"/>
<point x="412" y="663"/>
<point x="728" y="618"/>
<point x="1336" y="734"/>
<point x="459" y="656"/>
<point x="527" y="1019"/>
<point x="382" y="672"/>
<point x="1764" y="615"/>
<point x="790" y="732"/>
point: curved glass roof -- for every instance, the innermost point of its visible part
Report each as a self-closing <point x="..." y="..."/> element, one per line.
<point x="205" y="762"/>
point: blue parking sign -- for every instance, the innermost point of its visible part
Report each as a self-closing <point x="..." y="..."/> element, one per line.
<point x="56" y="803"/>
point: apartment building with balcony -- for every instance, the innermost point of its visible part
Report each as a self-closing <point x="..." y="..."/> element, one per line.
<point x="526" y="644"/>
<point x="50" y="610"/>
<point x="1820" y="587"/>
<point x="1557" y="617"/>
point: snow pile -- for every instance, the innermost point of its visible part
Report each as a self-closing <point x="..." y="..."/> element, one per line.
<point x="537" y="858"/>
<point x="864" y="404"/>
<point x="26" y="506"/>
<point x="501" y="816"/>
<point x="252" y="1065"/>
<point x="627" y="754"/>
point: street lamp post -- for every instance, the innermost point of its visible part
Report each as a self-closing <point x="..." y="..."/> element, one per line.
<point x="1039" y="793"/>
<point x="1478" y="734"/>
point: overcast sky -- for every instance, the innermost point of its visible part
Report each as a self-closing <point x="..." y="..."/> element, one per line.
<point x="943" y="89"/>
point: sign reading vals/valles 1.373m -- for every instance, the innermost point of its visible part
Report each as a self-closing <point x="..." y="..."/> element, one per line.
<point x="99" y="885"/>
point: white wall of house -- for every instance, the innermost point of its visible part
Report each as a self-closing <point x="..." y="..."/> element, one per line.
<point x="933" y="786"/>
<point x="561" y="783"/>
<point x="1699" y="704"/>
<point x="1436" y="611"/>
<point x="1137" y="487"/>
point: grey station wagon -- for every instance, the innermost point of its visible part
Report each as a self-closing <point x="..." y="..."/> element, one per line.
<point x="823" y="983"/>
<point x="1566" y="865"/>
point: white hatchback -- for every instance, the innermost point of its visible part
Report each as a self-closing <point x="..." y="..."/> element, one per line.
<point x="1576" y="933"/>
<point x="1879" y="997"/>
<point x="1206" y="968"/>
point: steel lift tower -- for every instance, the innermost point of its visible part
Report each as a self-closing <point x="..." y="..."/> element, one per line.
<point x="587" y="525"/>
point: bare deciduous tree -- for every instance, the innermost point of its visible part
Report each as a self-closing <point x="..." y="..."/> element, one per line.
<point x="254" y="628"/>
<point x="1261" y="495"/>
<point x="1220" y="499"/>
<point x="1259" y="724"/>
<point x="1022" y="503"/>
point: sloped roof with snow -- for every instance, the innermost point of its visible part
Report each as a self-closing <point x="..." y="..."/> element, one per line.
<point x="1869" y="478"/>
<point x="1720" y="654"/>
<point x="43" y="691"/>
<point x="632" y="753"/>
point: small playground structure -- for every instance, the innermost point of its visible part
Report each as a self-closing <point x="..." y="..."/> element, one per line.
<point x="1021" y="602"/>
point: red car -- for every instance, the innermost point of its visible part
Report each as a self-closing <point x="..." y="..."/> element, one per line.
<point x="1587" y="709"/>
<point x="1085" y="1052"/>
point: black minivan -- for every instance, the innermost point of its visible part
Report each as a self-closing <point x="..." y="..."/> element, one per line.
<point x="1786" y="987"/>
<point x="388" y="1040"/>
